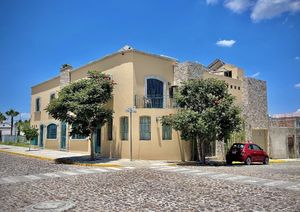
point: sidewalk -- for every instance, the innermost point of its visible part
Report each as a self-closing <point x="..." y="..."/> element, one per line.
<point x="77" y="158"/>
<point x="83" y="159"/>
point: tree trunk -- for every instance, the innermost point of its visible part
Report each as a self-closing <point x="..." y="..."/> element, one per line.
<point x="92" y="155"/>
<point x="203" y="151"/>
<point x="198" y="147"/>
<point x="11" y="126"/>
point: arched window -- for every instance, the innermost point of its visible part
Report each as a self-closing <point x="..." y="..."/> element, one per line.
<point x="154" y="91"/>
<point x="51" y="131"/>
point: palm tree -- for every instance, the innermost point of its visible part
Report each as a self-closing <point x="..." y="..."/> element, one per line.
<point x="12" y="113"/>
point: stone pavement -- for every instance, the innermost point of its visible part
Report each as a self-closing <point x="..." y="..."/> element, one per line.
<point x="67" y="173"/>
<point x="79" y="158"/>
<point x="282" y="184"/>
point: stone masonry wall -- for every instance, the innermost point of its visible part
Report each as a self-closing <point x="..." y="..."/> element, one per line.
<point x="65" y="75"/>
<point x="255" y="106"/>
<point x="187" y="70"/>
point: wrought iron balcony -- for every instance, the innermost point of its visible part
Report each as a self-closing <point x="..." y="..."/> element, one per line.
<point x="154" y="102"/>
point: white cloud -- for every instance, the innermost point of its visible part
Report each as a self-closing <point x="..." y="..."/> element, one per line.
<point x="297" y="58"/>
<point x="261" y="9"/>
<point x="212" y="2"/>
<point x="238" y="6"/>
<point x="255" y="75"/>
<point x="267" y="9"/>
<point x="225" y="43"/>
<point x="297" y="85"/>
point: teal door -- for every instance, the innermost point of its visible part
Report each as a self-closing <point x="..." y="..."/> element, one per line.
<point x="41" y="136"/>
<point x="63" y="135"/>
<point x="34" y="141"/>
<point x="97" y="140"/>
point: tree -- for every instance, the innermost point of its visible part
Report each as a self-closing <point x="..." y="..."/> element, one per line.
<point x="206" y="113"/>
<point x="82" y="104"/>
<point x="2" y="117"/>
<point x="29" y="132"/>
<point x="12" y="113"/>
<point x="22" y="125"/>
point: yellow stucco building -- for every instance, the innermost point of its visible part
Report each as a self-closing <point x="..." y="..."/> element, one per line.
<point x="144" y="81"/>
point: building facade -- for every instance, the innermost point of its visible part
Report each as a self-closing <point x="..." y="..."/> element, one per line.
<point x="147" y="82"/>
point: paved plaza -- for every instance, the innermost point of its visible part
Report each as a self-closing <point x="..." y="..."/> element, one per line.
<point x="156" y="187"/>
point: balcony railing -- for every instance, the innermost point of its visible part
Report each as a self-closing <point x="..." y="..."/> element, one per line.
<point x="154" y="102"/>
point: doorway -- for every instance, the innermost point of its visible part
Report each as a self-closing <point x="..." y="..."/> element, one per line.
<point x="97" y="140"/>
<point x="41" y="144"/>
<point x="63" y="135"/>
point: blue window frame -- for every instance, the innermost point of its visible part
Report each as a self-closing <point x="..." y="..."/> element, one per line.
<point x="124" y="128"/>
<point x="51" y="131"/>
<point x="145" y="128"/>
<point x="166" y="132"/>
<point x="155" y="93"/>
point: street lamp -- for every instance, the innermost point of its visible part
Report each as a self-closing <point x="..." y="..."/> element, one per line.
<point x="131" y="110"/>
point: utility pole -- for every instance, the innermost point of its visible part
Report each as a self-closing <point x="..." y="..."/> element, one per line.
<point x="131" y="110"/>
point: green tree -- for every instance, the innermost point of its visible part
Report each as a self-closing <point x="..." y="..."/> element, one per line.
<point x="2" y="117"/>
<point x="12" y="113"/>
<point x="82" y="104"/>
<point x="29" y="132"/>
<point x="22" y="125"/>
<point x="206" y="113"/>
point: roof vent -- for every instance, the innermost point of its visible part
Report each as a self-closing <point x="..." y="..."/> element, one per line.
<point x="125" y="48"/>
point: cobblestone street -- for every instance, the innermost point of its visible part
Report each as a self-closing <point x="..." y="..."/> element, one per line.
<point x="147" y="189"/>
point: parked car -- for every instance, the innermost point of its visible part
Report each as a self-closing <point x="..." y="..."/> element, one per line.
<point x="247" y="153"/>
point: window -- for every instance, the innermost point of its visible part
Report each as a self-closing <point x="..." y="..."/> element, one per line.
<point x="124" y="128"/>
<point x="298" y="125"/>
<point x="52" y="96"/>
<point x="228" y="74"/>
<point x="145" y="128"/>
<point x="51" y="131"/>
<point x="37" y="104"/>
<point x="255" y="147"/>
<point x="166" y="132"/>
<point x="239" y="88"/>
<point x="234" y="87"/>
<point x="231" y="86"/>
<point x="110" y="129"/>
<point x="155" y="93"/>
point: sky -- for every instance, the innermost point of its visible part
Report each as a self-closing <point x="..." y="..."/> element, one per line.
<point x="260" y="36"/>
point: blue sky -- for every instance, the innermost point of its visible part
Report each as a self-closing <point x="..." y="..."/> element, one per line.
<point x="260" y="36"/>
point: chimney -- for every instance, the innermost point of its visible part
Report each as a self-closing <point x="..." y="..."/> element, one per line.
<point x="65" y="75"/>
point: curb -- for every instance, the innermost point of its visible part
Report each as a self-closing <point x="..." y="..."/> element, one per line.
<point x="61" y="162"/>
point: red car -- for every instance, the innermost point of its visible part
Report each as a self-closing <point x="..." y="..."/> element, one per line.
<point x="247" y="153"/>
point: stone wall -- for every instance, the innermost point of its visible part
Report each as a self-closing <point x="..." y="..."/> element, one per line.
<point x="65" y="75"/>
<point x="187" y="70"/>
<point x="255" y="105"/>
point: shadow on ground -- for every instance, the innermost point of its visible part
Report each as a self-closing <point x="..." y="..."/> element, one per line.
<point x="85" y="160"/>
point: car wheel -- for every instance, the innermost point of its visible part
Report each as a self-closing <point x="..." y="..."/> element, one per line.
<point x="266" y="161"/>
<point x="229" y="162"/>
<point x="248" y="161"/>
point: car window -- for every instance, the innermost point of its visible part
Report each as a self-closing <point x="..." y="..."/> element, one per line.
<point x="250" y="146"/>
<point x="256" y="147"/>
